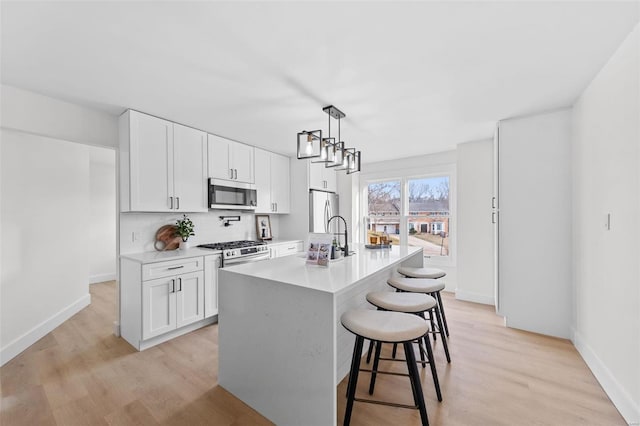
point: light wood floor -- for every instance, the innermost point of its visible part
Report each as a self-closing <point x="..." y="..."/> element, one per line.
<point x="81" y="374"/>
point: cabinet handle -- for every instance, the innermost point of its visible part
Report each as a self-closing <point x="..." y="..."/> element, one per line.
<point x="276" y="207"/>
<point x="177" y="203"/>
<point x="493" y="217"/>
<point x="171" y="201"/>
<point x="175" y="267"/>
<point x="173" y="286"/>
<point x="180" y="284"/>
<point x="230" y="173"/>
<point x="493" y="202"/>
<point x="236" y="174"/>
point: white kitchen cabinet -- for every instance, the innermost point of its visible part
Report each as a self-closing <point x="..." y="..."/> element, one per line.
<point x="162" y="165"/>
<point x="285" y="248"/>
<point x="211" y="265"/>
<point x="230" y="160"/>
<point x="322" y="178"/>
<point x="272" y="182"/>
<point x="162" y="300"/>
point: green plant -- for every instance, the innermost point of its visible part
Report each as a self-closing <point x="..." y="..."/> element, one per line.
<point x="412" y="231"/>
<point x="184" y="228"/>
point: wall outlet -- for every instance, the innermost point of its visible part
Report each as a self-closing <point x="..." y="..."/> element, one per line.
<point x="135" y="236"/>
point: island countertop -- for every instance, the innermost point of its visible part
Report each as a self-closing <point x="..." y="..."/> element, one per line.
<point x="334" y="278"/>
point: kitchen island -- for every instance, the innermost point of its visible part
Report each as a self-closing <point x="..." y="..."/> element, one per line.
<point x="282" y="349"/>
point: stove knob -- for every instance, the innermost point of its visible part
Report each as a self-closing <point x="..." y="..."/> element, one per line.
<point x="228" y="253"/>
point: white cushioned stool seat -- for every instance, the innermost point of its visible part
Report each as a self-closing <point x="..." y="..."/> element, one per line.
<point x="383" y="326"/>
<point x="421" y="272"/>
<point x="416" y="285"/>
<point x="401" y="302"/>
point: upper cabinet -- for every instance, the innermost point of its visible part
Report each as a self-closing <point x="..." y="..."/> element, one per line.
<point x="322" y="178"/>
<point x="230" y="160"/>
<point x="272" y="182"/>
<point x="163" y="166"/>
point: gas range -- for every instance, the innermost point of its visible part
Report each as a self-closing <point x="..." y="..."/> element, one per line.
<point x="234" y="252"/>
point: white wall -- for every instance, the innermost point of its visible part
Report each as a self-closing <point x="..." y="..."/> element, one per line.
<point x="606" y="158"/>
<point x="102" y="222"/>
<point x="41" y="115"/>
<point x="475" y="229"/>
<point x="45" y="205"/>
<point x="45" y="217"/>
<point x="535" y="223"/>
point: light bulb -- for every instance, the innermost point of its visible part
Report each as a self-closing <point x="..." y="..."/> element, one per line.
<point x="309" y="149"/>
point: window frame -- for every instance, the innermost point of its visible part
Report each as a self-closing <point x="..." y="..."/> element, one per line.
<point x="429" y="171"/>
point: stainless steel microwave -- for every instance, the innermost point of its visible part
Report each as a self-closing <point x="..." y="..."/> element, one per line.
<point x="229" y="195"/>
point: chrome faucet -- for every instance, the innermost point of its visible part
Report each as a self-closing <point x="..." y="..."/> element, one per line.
<point x="346" y="244"/>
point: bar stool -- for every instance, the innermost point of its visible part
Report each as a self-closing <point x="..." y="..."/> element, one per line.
<point x="431" y="287"/>
<point x="433" y="273"/>
<point x="410" y="303"/>
<point x="387" y="327"/>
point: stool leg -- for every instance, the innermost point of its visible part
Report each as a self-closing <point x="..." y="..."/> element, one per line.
<point x="444" y="317"/>
<point x="414" y="376"/>
<point x="369" y="351"/>
<point x="395" y="348"/>
<point x="433" y="325"/>
<point x="376" y="360"/>
<point x="432" y="364"/>
<point x="419" y="342"/>
<point x="353" y="378"/>
<point x="442" y="334"/>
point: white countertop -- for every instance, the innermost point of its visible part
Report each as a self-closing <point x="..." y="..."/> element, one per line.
<point x="276" y="242"/>
<point x="337" y="276"/>
<point x="161" y="256"/>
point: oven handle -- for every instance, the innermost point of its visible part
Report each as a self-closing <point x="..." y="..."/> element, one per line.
<point x="229" y="262"/>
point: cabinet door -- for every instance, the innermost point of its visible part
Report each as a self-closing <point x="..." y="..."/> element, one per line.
<point x="189" y="169"/>
<point x="151" y="163"/>
<point x="330" y="179"/>
<point x="316" y="176"/>
<point x="158" y="306"/>
<point x="211" y="265"/>
<point x="263" y="181"/>
<point x="241" y="162"/>
<point x="218" y="155"/>
<point x="189" y="298"/>
<point x="280" y="183"/>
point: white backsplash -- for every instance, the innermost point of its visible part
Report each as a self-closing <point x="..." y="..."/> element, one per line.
<point x="208" y="228"/>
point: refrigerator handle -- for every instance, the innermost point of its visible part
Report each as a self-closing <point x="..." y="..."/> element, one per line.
<point x="327" y="207"/>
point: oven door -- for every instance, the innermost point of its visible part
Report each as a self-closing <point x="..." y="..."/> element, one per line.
<point x="246" y="259"/>
<point x="224" y="194"/>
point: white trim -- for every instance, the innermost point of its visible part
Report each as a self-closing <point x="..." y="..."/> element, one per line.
<point x="616" y="393"/>
<point x="146" y="344"/>
<point x="39" y="331"/>
<point x="100" y="278"/>
<point x="469" y="296"/>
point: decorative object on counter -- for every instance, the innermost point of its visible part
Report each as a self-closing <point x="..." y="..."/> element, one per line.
<point x="263" y="227"/>
<point x="229" y="219"/>
<point x="184" y="231"/>
<point x="328" y="150"/>
<point x="319" y="249"/>
<point x="167" y="238"/>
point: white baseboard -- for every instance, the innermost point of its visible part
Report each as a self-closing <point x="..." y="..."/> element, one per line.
<point x="39" y="331"/>
<point x="618" y="395"/>
<point x="469" y="296"/>
<point x="100" y="278"/>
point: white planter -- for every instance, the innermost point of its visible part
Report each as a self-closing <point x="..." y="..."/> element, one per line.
<point x="184" y="245"/>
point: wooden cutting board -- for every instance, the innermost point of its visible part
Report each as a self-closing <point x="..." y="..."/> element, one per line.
<point x="167" y="238"/>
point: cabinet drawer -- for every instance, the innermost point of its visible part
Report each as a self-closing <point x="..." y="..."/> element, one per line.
<point x="171" y="267"/>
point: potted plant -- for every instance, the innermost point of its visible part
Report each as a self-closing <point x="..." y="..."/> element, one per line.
<point x="184" y="229"/>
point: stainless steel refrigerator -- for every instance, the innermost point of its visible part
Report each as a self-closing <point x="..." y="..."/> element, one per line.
<point x="322" y="206"/>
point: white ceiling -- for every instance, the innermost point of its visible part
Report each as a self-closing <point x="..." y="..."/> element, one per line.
<point x="413" y="78"/>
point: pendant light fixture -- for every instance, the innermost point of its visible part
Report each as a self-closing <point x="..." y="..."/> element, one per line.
<point x="328" y="150"/>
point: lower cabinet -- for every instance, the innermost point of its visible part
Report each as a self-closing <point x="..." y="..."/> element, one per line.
<point x="171" y="303"/>
<point x="285" y="249"/>
<point x="211" y="265"/>
<point x="162" y="300"/>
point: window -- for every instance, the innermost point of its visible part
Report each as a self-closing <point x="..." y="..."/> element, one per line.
<point x="412" y="210"/>
<point x="383" y="211"/>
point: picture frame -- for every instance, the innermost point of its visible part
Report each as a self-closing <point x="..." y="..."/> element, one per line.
<point x="263" y="227"/>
